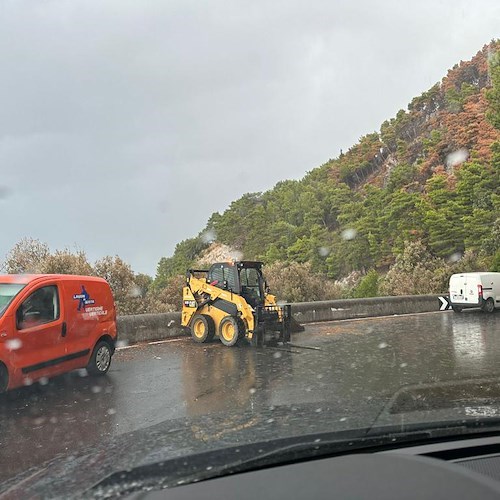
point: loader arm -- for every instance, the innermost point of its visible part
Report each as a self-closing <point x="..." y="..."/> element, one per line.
<point x="200" y="297"/>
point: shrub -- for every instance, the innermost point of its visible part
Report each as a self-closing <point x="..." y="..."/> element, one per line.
<point x="296" y="282"/>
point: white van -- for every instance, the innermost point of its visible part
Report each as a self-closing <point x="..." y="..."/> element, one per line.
<point x="475" y="290"/>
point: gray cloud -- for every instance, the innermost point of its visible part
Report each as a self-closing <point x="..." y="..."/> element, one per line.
<point x="125" y="124"/>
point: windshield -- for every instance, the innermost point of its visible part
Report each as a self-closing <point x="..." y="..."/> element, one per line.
<point x="158" y="159"/>
<point x="251" y="282"/>
<point x="7" y="292"/>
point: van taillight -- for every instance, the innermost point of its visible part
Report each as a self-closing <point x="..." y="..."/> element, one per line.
<point x="480" y="291"/>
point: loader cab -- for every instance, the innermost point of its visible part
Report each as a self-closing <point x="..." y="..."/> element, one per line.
<point x="243" y="278"/>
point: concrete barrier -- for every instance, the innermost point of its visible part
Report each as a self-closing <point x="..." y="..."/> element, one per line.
<point x="330" y="310"/>
<point x="146" y="327"/>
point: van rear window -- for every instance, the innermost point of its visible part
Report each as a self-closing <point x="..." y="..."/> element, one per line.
<point x="7" y="292"/>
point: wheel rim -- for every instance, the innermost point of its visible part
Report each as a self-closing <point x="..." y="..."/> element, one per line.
<point x="490" y="306"/>
<point x="102" y="358"/>
<point x="228" y="331"/>
<point x="199" y="329"/>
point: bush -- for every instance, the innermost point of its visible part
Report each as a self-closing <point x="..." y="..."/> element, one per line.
<point x="415" y="272"/>
<point x="296" y="282"/>
<point x="495" y="265"/>
<point x="368" y="286"/>
<point x="65" y="262"/>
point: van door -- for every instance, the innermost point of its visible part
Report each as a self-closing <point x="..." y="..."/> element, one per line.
<point x="457" y="288"/>
<point x="41" y="330"/>
<point x="82" y="299"/>
<point x="471" y="289"/>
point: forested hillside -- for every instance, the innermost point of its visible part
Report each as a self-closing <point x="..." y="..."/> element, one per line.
<point x="398" y="213"/>
<point x="428" y="180"/>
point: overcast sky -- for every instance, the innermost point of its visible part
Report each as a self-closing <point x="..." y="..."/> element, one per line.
<point x="125" y="124"/>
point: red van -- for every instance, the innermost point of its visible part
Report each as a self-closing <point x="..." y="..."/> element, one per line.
<point x="51" y="324"/>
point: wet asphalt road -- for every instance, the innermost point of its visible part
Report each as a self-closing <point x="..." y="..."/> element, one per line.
<point x="350" y="368"/>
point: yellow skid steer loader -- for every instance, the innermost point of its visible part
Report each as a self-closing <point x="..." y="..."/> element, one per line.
<point x="231" y="300"/>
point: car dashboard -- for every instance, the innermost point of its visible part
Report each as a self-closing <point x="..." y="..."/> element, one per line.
<point x="465" y="468"/>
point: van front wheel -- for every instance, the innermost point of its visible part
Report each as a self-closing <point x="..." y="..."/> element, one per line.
<point x="100" y="360"/>
<point x="488" y="306"/>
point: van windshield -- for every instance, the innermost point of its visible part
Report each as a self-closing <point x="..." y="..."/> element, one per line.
<point x="7" y="292"/>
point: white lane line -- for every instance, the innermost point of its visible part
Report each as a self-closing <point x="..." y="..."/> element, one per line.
<point x="149" y="343"/>
<point x="166" y="340"/>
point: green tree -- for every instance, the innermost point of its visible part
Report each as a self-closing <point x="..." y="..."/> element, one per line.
<point x="368" y="286"/>
<point x="120" y="277"/>
<point x="493" y="94"/>
<point x="184" y="256"/>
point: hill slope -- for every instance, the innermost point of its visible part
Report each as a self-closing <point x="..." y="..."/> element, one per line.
<point x="430" y="175"/>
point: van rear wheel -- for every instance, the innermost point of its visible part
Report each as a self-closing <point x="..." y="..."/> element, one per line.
<point x="100" y="361"/>
<point x="4" y="378"/>
<point x="488" y="306"/>
<point x="457" y="309"/>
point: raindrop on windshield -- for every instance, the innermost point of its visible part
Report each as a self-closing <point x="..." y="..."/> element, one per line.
<point x="382" y="345"/>
<point x="349" y="234"/>
<point x="455" y="257"/>
<point x="277" y="355"/>
<point x="457" y="157"/>
<point x="236" y="255"/>
<point x="323" y="251"/>
<point x="13" y="344"/>
<point x="208" y="236"/>
<point x="122" y="343"/>
<point x="43" y="381"/>
<point x="96" y="389"/>
<point x="135" y="292"/>
<point x="4" y="192"/>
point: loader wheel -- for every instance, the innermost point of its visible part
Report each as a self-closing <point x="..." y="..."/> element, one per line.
<point x="230" y="330"/>
<point x="202" y="328"/>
